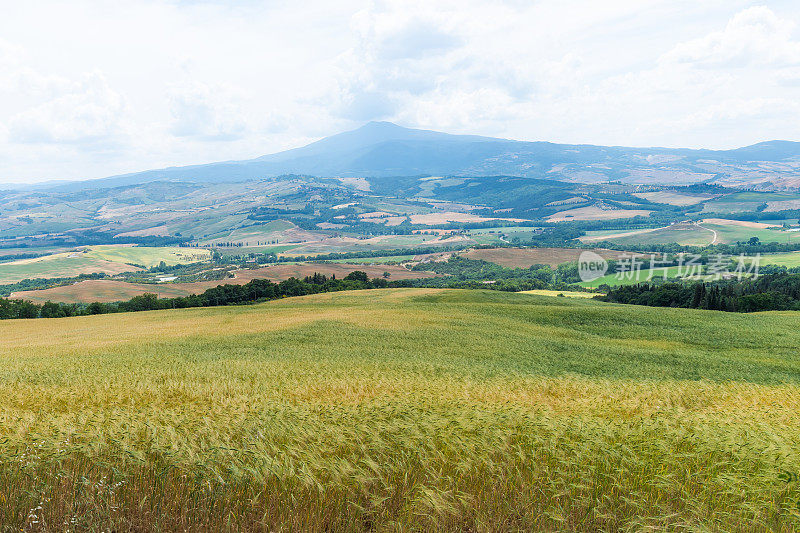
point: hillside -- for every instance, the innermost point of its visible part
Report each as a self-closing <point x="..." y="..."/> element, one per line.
<point x="403" y="410"/>
<point x="383" y="149"/>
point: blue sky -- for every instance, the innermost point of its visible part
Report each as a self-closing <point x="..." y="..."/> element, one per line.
<point x="90" y="88"/>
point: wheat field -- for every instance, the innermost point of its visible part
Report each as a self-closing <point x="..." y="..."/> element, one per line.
<point x="402" y="410"/>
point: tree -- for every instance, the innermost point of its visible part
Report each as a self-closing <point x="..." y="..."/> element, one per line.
<point x="52" y="310"/>
<point x="357" y="275"/>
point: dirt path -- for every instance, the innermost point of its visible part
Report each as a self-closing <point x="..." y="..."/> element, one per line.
<point x="714" y="240"/>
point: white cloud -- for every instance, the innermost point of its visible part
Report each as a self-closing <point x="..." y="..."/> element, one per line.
<point x="88" y="112"/>
<point x="753" y="37"/>
<point x="218" y="80"/>
<point x="207" y="113"/>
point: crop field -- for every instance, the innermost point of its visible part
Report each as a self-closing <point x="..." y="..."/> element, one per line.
<point x="565" y="294"/>
<point x="684" y="234"/>
<point x="276" y="230"/>
<point x="525" y="257"/>
<point x="66" y="264"/>
<point x="148" y="256"/>
<point x="731" y="232"/>
<point x="674" y="197"/>
<point x="402" y="410"/>
<point x="644" y="275"/>
<point x="105" y="290"/>
<point x="375" y="260"/>
<point x="789" y="259"/>
<point x="716" y="230"/>
<point x="746" y="201"/>
<point x="12" y="252"/>
<point x="108" y="259"/>
<point x="595" y="213"/>
<point x="277" y="249"/>
<point x="381" y="242"/>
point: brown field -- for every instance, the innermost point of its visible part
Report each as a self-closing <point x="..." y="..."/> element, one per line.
<point x="525" y="257"/>
<point x="62" y="265"/>
<point x="432" y="219"/>
<point x="780" y="205"/>
<point x="741" y="223"/>
<point x="114" y="291"/>
<point x="609" y="236"/>
<point x="675" y="198"/>
<point x="159" y="231"/>
<point x="595" y="213"/>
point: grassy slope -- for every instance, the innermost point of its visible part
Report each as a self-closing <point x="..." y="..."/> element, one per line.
<point x="643" y="276"/>
<point x="109" y="259"/>
<point x="149" y="256"/>
<point x="67" y="264"/>
<point x="698" y="235"/>
<point x="731" y="234"/>
<point x="403" y="409"/>
<point x="789" y="259"/>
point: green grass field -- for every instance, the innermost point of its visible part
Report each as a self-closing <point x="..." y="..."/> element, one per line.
<point x="683" y="235"/>
<point x="692" y="235"/>
<point x="563" y="294"/>
<point x="148" y="256"/>
<point x="402" y="410"/>
<point x="629" y="278"/>
<point x="375" y="260"/>
<point x="789" y="260"/>
<point x="728" y="233"/>
<point x="745" y="201"/>
<point x="61" y="265"/>
<point x="108" y="259"/>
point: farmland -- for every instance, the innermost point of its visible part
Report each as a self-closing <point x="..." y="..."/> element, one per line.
<point x="789" y="260"/>
<point x="684" y="234"/>
<point x="403" y="410"/>
<point x="702" y="233"/>
<point x="564" y="294"/>
<point x="525" y="257"/>
<point x="674" y="198"/>
<point x="148" y="256"/>
<point x="642" y="276"/>
<point x="114" y="290"/>
<point x="749" y="201"/>
<point x="109" y="259"/>
<point x="595" y="213"/>
<point x="66" y="264"/>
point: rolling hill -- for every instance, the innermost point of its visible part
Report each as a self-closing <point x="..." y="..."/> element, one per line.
<point x="411" y="410"/>
<point x="383" y="149"/>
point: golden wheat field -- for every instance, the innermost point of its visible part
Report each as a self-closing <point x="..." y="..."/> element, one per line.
<point x="402" y="410"/>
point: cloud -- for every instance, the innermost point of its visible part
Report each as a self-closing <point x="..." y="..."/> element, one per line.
<point x="753" y="37"/>
<point x="215" y="80"/>
<point x="206" y="113"/>
<point x="88" y="112"/>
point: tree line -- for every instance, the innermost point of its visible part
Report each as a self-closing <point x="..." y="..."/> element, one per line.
<point x="254" y="291"/>
<point x="772" y="292"/>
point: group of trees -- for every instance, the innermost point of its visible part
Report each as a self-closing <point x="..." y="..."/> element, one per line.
<point x="253" y="291"/>
<point x="45" y="283"/>
<point x="463" y="273"/>
<point x="779" y="291"/>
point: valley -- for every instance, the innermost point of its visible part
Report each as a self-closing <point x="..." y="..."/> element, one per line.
<point x="422" y="352"/>
<point x="456" y="408"/>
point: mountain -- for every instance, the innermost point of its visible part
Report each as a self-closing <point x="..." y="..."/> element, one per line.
<point x="383" y="149"/>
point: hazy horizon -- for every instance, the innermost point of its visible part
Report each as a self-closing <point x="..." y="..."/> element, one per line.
<point x="102" y="89"/>
<point x="255" y="156"/>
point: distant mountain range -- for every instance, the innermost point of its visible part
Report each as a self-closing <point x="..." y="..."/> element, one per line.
<point x="383" y="149"/>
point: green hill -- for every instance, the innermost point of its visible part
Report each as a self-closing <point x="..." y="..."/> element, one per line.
<point x="407" y="409"/>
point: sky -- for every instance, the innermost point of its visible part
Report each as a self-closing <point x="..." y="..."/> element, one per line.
<point x="92" y="88"/>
